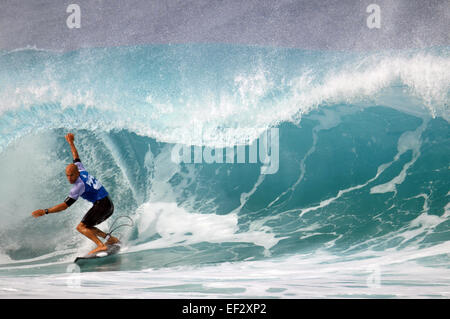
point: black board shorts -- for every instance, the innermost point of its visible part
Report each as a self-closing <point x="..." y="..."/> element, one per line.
<point x="99" y="212"/>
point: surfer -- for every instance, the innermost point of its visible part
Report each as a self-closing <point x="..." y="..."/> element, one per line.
<point x="89" y="188"/>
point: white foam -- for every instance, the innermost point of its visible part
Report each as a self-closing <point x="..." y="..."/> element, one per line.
<point x="251" y="100"/>
<point x="320" y="275"/>
<point x="176" y="226"/>
<point x="407" y="141"/>
<point x="22" y="171"/>
<point x="4" y="259"/>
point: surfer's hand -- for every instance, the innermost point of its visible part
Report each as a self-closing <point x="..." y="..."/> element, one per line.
<point x="70" y="138"/>
<point x="38" y="213"/>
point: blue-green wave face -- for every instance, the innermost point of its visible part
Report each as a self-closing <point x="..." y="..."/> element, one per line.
<point x="359" y="148"/>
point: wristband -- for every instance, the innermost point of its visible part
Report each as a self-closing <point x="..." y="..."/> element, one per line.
<point x="46" y="211"/>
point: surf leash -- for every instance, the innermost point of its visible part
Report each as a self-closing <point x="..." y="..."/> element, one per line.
<point x="112" y="228"/>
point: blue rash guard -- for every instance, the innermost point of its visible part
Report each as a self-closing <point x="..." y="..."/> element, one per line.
<point x="86" y="186"/>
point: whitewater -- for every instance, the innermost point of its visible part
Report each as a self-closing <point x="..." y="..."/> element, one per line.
<point x="357" y="204"/>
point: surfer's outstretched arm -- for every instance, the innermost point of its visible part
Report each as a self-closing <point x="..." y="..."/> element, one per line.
<point x="70" y="139"/>
<point x="54" y="209"/>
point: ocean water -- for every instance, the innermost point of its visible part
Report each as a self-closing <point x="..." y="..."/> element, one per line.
<point x="247" y="171"/>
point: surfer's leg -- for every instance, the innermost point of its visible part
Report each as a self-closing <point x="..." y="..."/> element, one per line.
<point x="90" y="233"/>
<point x="99" y="212"/>
<point x="98" y="232"/>
<point x="106" y="209"/>
<point x="111" y="240"/>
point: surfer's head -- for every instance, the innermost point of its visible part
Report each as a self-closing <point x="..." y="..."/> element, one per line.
<point x="72" y="173"/>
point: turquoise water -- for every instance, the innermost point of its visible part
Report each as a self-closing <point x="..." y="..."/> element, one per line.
<point x="355" y="203"/>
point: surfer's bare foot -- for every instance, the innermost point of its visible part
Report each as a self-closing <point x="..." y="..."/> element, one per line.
<point x="112" y="240"/>
<point x="99" y="248"/>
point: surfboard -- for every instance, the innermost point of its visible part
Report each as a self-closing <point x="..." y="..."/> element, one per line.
<point x="111" y="250"/>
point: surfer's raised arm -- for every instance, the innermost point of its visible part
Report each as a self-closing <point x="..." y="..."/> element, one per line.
<point x="70" y="139"/>
<point x="72" y="174"/>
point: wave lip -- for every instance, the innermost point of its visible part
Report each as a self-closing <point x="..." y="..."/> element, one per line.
<point x="163" y="91"/>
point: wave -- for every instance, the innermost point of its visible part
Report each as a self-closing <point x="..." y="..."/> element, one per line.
<point x="361" y="137"/>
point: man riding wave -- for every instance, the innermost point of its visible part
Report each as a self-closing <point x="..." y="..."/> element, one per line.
<point x="90" y="189"/>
